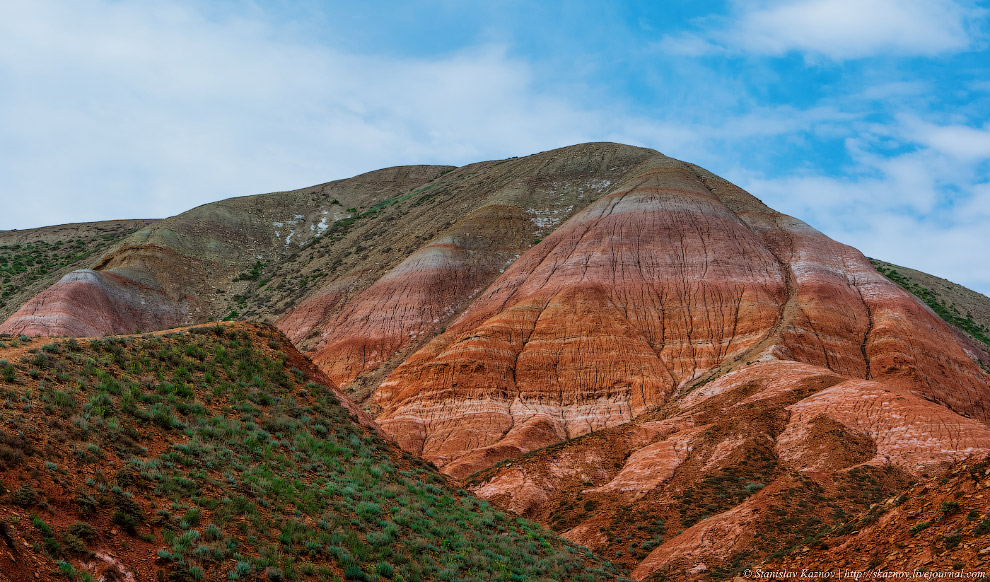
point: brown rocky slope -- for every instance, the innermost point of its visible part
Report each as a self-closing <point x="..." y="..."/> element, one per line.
<point x="939" y="525"/>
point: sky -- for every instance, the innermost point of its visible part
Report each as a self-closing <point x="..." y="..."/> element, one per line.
<point x="868" y="119"/>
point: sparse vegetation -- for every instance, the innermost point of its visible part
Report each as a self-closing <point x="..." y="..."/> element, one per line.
<point x="264" y="472"/>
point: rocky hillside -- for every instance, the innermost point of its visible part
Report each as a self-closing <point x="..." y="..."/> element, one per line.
<point x="938" y="525"/>
<point x="220" y="452"/>
<point x="624" y="346"/>
<point x="32" y="260"/>
<point x="671" y="279"/>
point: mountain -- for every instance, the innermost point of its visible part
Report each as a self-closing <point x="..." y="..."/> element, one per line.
<point x="220" y="452"/>
<point x="621" y="345"/>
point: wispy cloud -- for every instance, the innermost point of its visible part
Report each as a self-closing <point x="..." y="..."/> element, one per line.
<point x="835" y="29"/>
<point x="166" y="109"/>
<point x="958" y="141"/>
<point x="926" y="208"/>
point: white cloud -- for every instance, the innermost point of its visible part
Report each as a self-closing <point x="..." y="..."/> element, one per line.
<point x="114" y="109"/>
<point x="150" y="110"/>
<point x="836" y="29"/>
<point x="958" y="141"/>
<point x="927" y="208"/>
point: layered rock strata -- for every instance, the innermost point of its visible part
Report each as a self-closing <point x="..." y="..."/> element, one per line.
<point x="672" y="279"/>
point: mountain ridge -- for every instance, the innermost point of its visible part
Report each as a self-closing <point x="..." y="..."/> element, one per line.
<point x="597" y="336"/>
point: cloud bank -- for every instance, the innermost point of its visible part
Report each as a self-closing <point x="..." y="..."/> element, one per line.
<point x="836" y="29"/>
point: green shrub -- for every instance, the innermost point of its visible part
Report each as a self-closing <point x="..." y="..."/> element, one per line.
<point x="191" y="518"/>
<point x="948" y="508"/>
<point x="212" y="533"/>
<point x="354" y="572"/>
<point x="25" y="496"/>
<point x="66" y="568"/>
<point x="127" y="513"/>
<point x="82" y="530"/>
<point x="40" y="525"/>
<point x="74" y="545"/>
<point x="7" y="372"/>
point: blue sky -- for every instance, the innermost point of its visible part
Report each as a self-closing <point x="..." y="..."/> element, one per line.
<point x="869" y="119"/>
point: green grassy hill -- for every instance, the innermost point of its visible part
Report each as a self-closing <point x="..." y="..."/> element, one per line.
<point x="219" y="452"/>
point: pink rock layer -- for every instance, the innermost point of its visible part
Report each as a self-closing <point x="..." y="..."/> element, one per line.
<point x="93" y="303"/>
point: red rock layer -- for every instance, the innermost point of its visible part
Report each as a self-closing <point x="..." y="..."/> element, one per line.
<point x="845" y="316"/>
<point x="673" y="277"/>
<point x="415" y="298"/>
<point x="631" y="299"/>
<point x="92" y="303"/>
<point x="315" y="312"/>
<point x="481" y="218"/>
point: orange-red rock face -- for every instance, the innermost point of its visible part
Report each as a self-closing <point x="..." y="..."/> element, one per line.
<point x="629" y="300"/>
<point x="416" y="297"/>
<point x="672" y="277"/>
